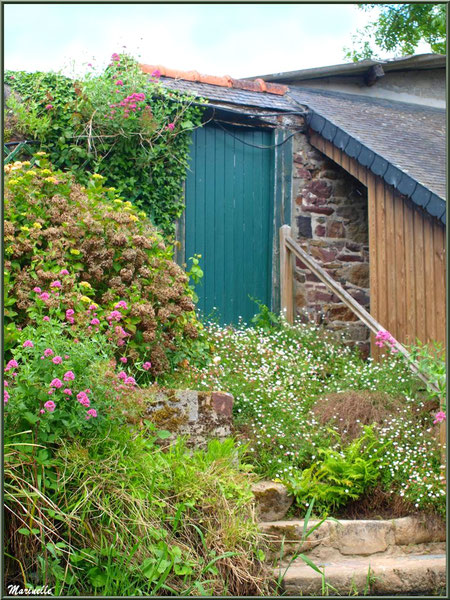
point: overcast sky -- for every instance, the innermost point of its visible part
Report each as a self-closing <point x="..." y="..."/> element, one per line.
<point x="221" y="39"/>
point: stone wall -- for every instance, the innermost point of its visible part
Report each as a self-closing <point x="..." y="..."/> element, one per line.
<point x="198" y="415"/>
<point x="330" y="222"/>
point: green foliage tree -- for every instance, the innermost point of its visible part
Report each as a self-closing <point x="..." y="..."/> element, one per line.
<point x="399" y="28"/>
<point x="121" y="123"/>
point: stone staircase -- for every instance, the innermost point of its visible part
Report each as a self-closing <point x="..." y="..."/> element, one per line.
<point x="355" y="557"/>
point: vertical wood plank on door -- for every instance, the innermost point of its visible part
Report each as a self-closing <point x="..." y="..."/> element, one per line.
<point x="439" y="280"/>
<point x="391" y="321"/>
<point x="373" y="259"/>
<point x="419" y="264"/>
<point x="399" y="268"/>
<point x="410" y="274"/>
<point x="382" y="255"/>
<point x="430" y="283"/>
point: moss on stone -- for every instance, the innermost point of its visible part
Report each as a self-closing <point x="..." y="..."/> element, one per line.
<point x="168" y="417"/>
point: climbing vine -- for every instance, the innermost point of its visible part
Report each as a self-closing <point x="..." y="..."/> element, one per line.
<point x="120" y="123"/>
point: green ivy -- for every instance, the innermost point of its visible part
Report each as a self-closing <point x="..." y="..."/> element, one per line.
<point x="120" y="123"/>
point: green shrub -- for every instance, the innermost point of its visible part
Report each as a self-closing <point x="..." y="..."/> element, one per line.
<point x="120" y="123"/>
<point x="340" y="475"/>
<point x="90" y="239"/>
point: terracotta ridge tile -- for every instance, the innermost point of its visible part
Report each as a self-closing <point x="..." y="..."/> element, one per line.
<point x="250" y="85"/>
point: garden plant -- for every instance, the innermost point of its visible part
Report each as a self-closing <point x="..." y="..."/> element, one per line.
<point x="97" y="313"/>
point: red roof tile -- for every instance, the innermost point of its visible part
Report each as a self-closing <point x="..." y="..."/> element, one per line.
<point x="258" y="85"/>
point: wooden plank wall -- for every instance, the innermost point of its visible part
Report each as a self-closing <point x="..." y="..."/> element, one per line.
<point x="407" y="259"/>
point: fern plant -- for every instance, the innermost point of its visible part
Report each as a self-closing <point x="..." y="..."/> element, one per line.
<point x="340" y="476"/>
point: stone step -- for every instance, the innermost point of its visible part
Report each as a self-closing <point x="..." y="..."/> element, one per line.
<point x="375" y="575"/>
<point x="406" y="535"/>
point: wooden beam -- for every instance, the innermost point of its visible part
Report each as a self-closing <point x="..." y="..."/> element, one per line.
<point x="286" y="275"/>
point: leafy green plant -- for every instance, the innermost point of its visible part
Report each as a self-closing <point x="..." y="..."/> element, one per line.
<point x="121" y="123"/>
<point x="431" y="358"/>
<point x="340" y="475"/>
<point x="49" y="387"/>
<point x="100" y="251"/>
<point x="265" y="318"/>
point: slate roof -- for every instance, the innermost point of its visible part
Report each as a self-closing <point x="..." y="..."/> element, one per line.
<point x="229" y="95"/>
<point x="401" y="142"/>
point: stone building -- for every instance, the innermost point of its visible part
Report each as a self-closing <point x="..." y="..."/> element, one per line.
<point x="353" y="157"/>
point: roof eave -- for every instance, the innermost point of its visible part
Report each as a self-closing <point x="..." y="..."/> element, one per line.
<point x="374" y="162"/>
<point x="419" y="61"/>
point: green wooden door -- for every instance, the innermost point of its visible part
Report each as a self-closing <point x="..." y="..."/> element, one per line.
<point x="229" y="219"/>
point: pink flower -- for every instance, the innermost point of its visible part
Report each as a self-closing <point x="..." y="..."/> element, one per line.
<point x="42" y="411"/>
<point x="11" y="365"/>
<point x="114" y="316"/>
<point x="55" y="284"/>
<point x="95" y="321"/>
<point x="49" y="107"/>
<point x="46" y="318"/>
<point x="70" y="312"/>
<point x="50" y="405"/>
<point x="44" y="296"/>
<point x="48" y="352"/>
<point x="146" y="366"/>
<point x="122" y="375"/>
<point x="156" y="73"/>
<point x="37" y="290"/>
<point x="69" y="376"/>
<point x="92" y="307"/>
<point x="83" y="399"/>
<point x="115" y="57"/>
<point x="91" y="413"/>
<point x="6" y="384"/>
<point x="66" y="356"/>
<point x="57" y="360"/>
<point x="28" y="344"/>
<point x="56" y="383"/>
<point x="440" y="416"/>
<point x="67" y="391"/>
<point x="121" y="304"/>
<point x="123" y="359"/>
<point x="119" y="82"/>
<point x="5" y="396"/>
<point x="171" y="126"/>
<point x="64" y="272"/>
<point x="130" y="381"/>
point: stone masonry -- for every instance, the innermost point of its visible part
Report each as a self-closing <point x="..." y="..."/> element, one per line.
<point x="330" y="222"/>
<point x="197" y="415"/>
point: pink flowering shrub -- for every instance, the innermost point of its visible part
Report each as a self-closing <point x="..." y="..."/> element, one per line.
<point x="38" y="399"/>
<point x="97" y="262"/>
<point x="66" y="374"/>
